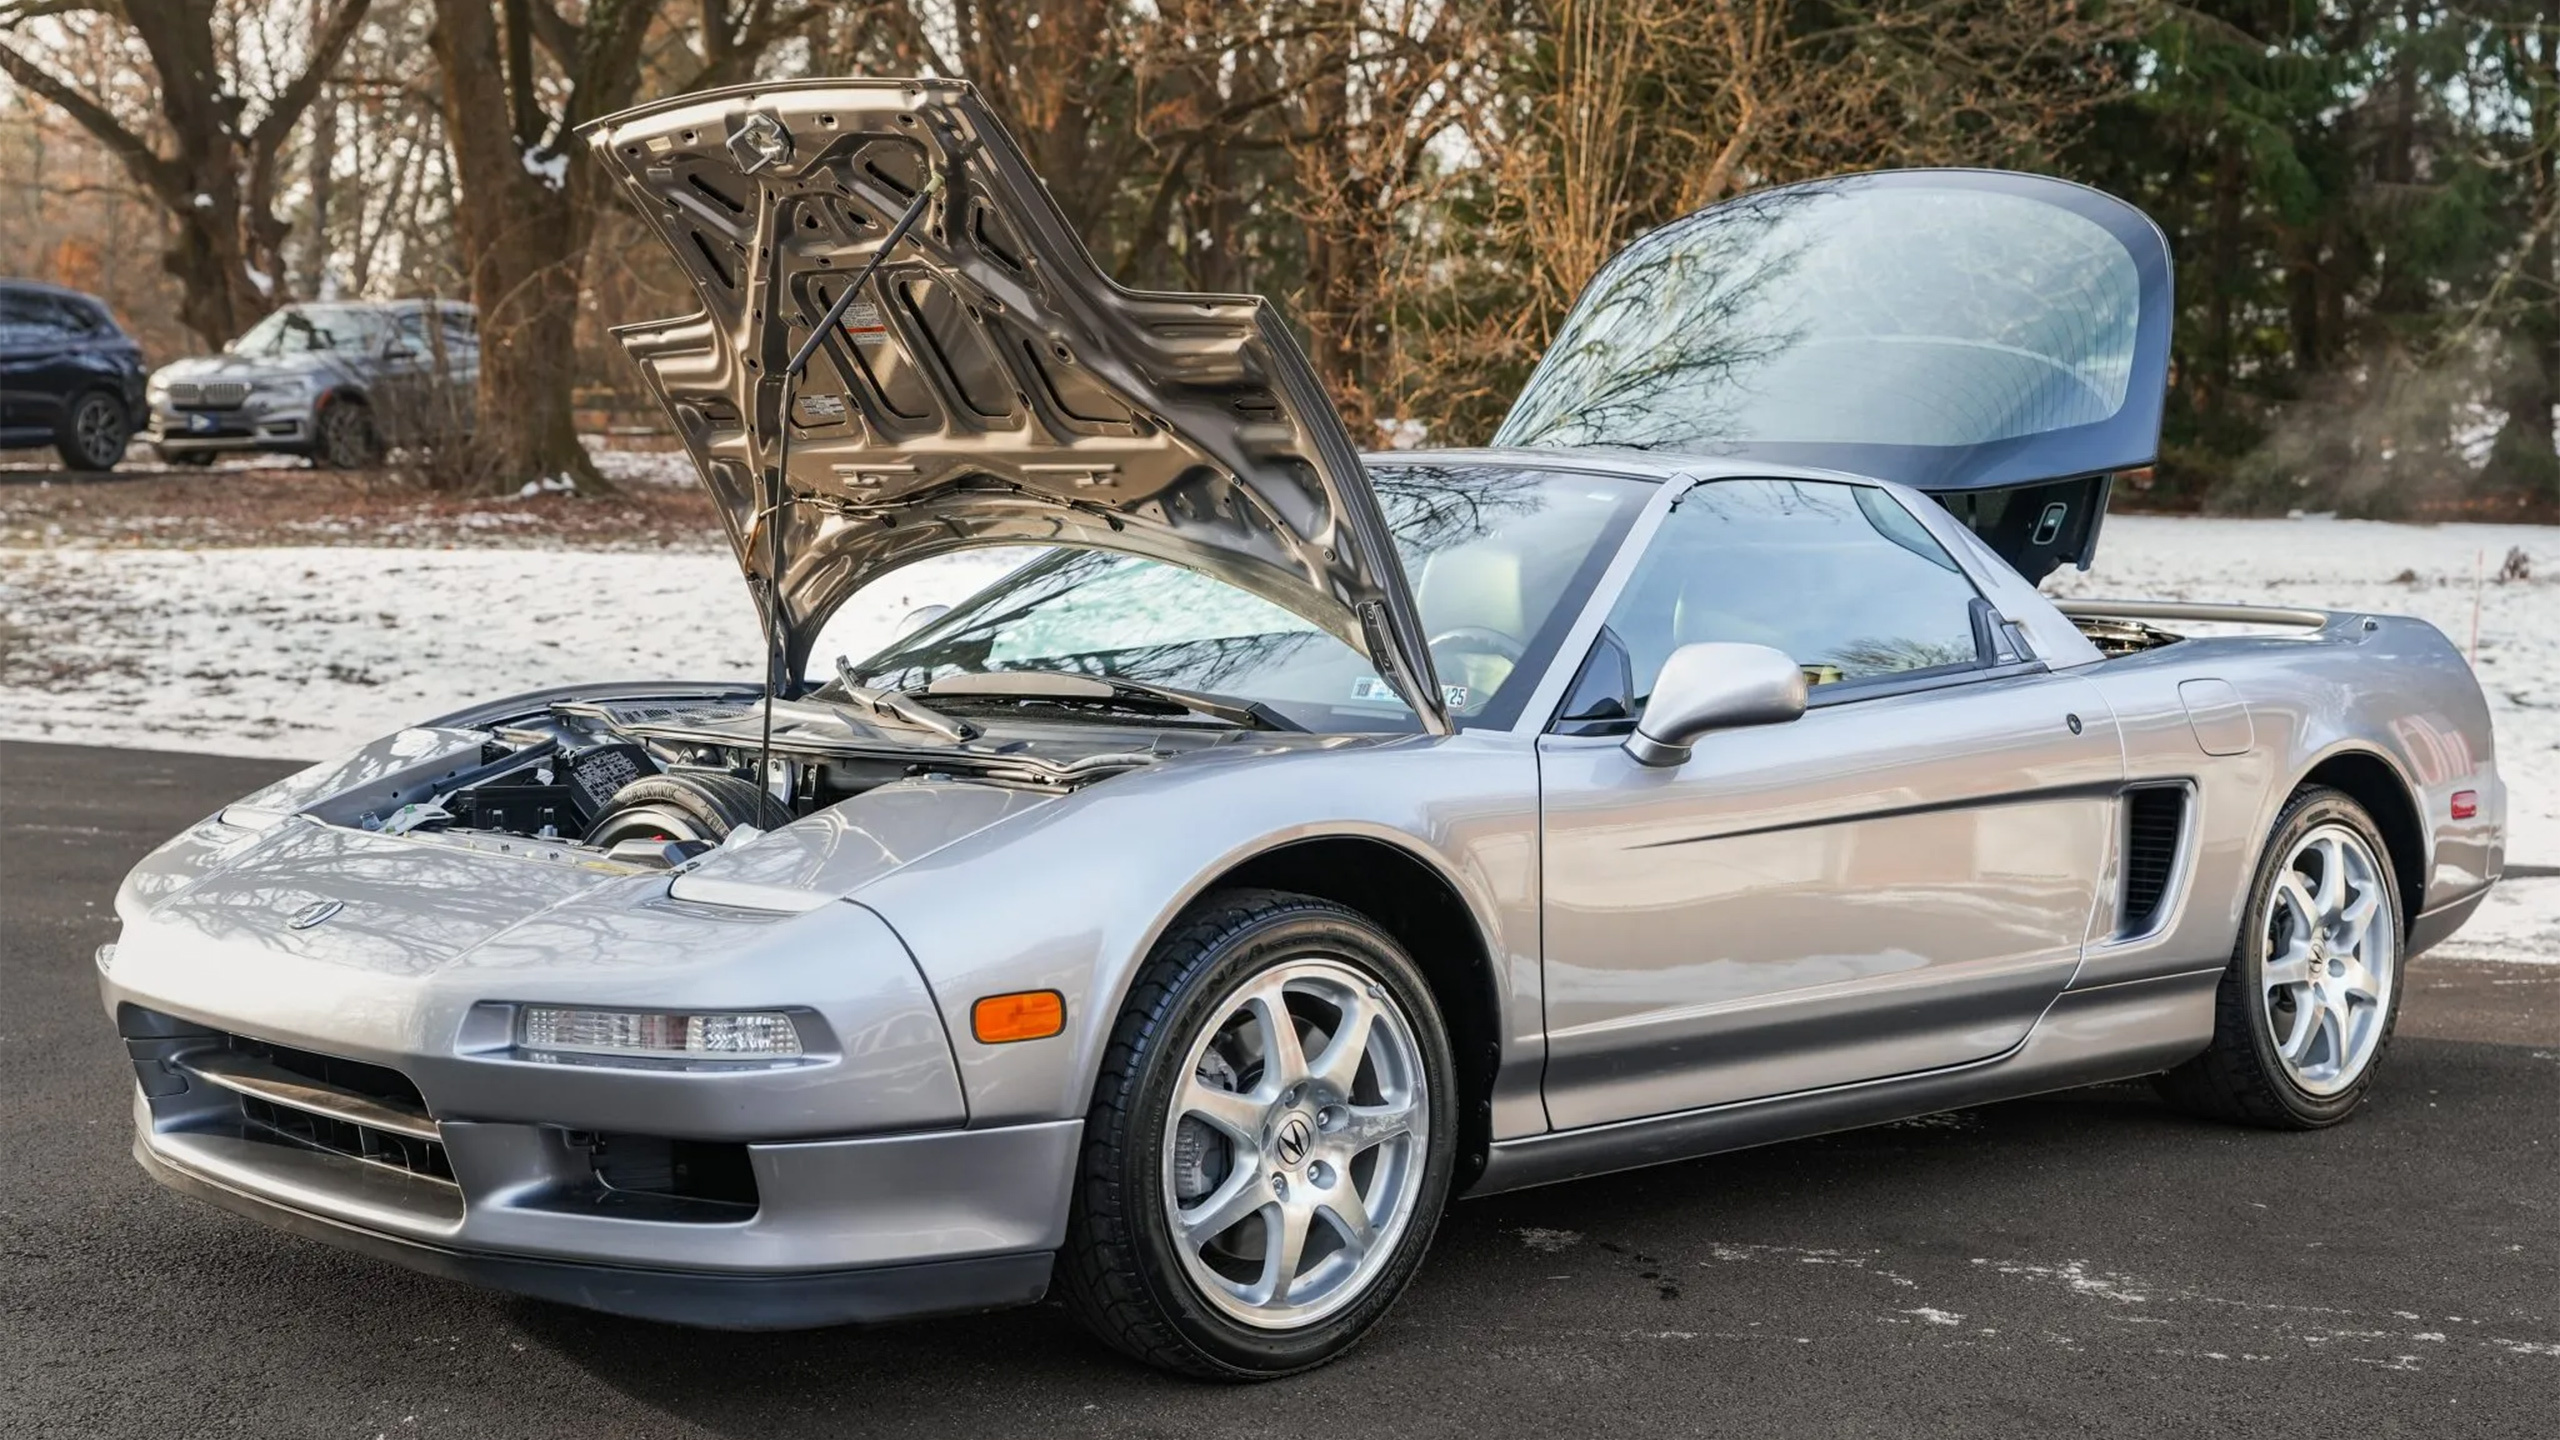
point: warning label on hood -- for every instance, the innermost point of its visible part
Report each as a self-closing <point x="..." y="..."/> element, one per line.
<point x="862" y="324"/>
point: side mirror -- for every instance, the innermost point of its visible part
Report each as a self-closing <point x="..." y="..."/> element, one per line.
<point x="1715" y="685"/>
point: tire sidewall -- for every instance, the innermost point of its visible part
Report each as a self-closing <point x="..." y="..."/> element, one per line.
<point x="72" y="450"/>
<point x="1301" y="932"/>
<point x="2309" y="812"/>
<point x="346" y="439"/>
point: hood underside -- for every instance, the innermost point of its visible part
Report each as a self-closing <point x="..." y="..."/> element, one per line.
<point x="989" y="385"/>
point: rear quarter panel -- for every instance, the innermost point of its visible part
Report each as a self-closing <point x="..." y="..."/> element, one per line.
<point x="2387" y="687"/>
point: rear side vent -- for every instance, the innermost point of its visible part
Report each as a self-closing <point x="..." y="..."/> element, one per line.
<point x="2153" y="819"/>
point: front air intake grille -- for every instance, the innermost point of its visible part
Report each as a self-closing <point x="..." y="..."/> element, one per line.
<point x="322" y="1102"/>
<point x="213" y="395"/>
<point x="2154" y="819"/>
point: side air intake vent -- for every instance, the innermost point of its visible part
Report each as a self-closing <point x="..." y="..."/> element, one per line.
<point x="2153" y="820"/>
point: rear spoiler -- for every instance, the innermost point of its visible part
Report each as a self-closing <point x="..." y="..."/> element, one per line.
<point x="2187" y="610"/>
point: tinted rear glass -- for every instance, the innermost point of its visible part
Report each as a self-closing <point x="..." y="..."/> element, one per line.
<point x="1846" y="313"/>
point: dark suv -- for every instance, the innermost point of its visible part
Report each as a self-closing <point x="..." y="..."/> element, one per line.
<point x="69" y="376"/>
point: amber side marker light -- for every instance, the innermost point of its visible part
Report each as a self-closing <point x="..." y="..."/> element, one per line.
<point x="2466" y="804"/>
<point x="1022" y="1015"/>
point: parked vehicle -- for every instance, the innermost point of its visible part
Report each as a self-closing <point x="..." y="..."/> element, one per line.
<point x="337" y="382"/>
<point x="1303" y="839"/>
<point x="69" y="375"/>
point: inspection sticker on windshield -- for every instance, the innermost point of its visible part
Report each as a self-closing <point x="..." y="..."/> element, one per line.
<point x="862" y="324"/>
<point x="1371" y="688"/>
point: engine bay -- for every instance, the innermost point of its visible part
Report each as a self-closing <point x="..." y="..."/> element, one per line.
<point x="653" y="781"/>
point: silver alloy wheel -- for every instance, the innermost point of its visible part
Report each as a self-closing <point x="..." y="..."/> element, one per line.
<point x="2329" y="967"/>
<point x="98" y="429"/>
<point x="1296" y="1143"/>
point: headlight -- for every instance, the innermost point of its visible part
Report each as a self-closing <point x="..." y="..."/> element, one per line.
<point x="640" y="1032"/>
<point x="292" y="387"/>
<point x="155" y="388"/>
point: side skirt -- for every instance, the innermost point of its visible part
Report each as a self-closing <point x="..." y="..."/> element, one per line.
<point x="2108" y="1032"/>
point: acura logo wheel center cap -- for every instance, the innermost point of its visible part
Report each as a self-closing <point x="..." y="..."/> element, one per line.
<point x="1295" y="1136"/>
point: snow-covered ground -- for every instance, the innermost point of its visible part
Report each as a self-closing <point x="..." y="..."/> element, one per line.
<point x="301" y="652"/>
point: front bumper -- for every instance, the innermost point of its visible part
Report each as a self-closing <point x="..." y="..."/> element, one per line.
<point x="724" y="1300"/>
<point x="839" y="1231"/>
<point x="284" y="426"/>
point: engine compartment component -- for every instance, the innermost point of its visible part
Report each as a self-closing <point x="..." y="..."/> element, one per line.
<point x="685" y="806"/>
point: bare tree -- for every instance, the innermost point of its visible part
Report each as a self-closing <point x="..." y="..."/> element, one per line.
<point x="205" y="153"/>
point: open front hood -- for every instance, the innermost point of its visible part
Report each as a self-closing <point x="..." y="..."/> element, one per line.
<point x="990" y="385"/>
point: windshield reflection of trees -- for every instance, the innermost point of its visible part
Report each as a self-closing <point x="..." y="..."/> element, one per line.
<point x="1842" y="312"/>
<point x="1428" y="508"/>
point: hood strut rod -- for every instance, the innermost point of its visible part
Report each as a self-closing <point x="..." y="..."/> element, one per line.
<point x="778" y="477"/>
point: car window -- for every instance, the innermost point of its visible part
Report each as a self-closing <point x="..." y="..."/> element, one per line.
<point x="18" y="322"/>
<point x="303" y="329"/>
<point x="31" y="317"/>
<point x="1840" y="577"/>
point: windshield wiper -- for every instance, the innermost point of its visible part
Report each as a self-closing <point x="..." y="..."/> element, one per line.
<point x="1069" y="689"/>
<point x="900" y="707"/>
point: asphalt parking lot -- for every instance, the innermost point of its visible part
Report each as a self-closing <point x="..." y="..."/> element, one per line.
<point x="2085" y="1264"/>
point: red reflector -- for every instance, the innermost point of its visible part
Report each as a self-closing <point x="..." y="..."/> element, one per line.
<point x="2466" y="804"/>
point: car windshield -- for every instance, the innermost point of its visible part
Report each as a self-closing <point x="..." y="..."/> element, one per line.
<point x="1500" y="560"/>
<point x="301" y="329"/>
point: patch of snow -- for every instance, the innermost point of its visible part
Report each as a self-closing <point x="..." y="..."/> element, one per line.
<point x="308" y="652"/>
<point x="2078" y="1278"/>
<point x="1549" y="1241"/>
<point x="2333" y="564"/>
<point x="1935" y="1316"/>
<point x="549" y="166"/>
<point x="631" y="467"/>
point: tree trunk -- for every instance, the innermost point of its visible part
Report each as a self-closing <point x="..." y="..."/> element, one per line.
<point x="1342" y="260"/>
<point x="523" y="228"/>
<point x="2524" y="461"/>
<point x="217" y="183"/>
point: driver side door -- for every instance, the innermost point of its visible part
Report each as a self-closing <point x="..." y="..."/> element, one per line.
<point x="1899" y="880"/>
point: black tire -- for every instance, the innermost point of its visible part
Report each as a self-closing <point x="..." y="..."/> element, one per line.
<point x="344" y="437"/>
<point x="1120" y="1273"/>
<point x="684" y="807"/>
<point x="94" y="432"/>
<point x="2240" y="1077"/>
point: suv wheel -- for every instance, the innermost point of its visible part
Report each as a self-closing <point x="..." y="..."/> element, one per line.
<point x="345" y="437"/>
<point x="93" y="434"/>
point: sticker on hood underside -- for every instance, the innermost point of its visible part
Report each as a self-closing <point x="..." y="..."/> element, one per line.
<point x="862" y="324"/>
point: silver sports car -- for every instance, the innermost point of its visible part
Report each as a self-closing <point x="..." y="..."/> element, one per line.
<point x="1299" y="839"/>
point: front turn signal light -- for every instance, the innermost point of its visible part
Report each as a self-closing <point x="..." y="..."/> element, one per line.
<point x="739" y="1036"/>
<point x="1022" y="1015"/>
